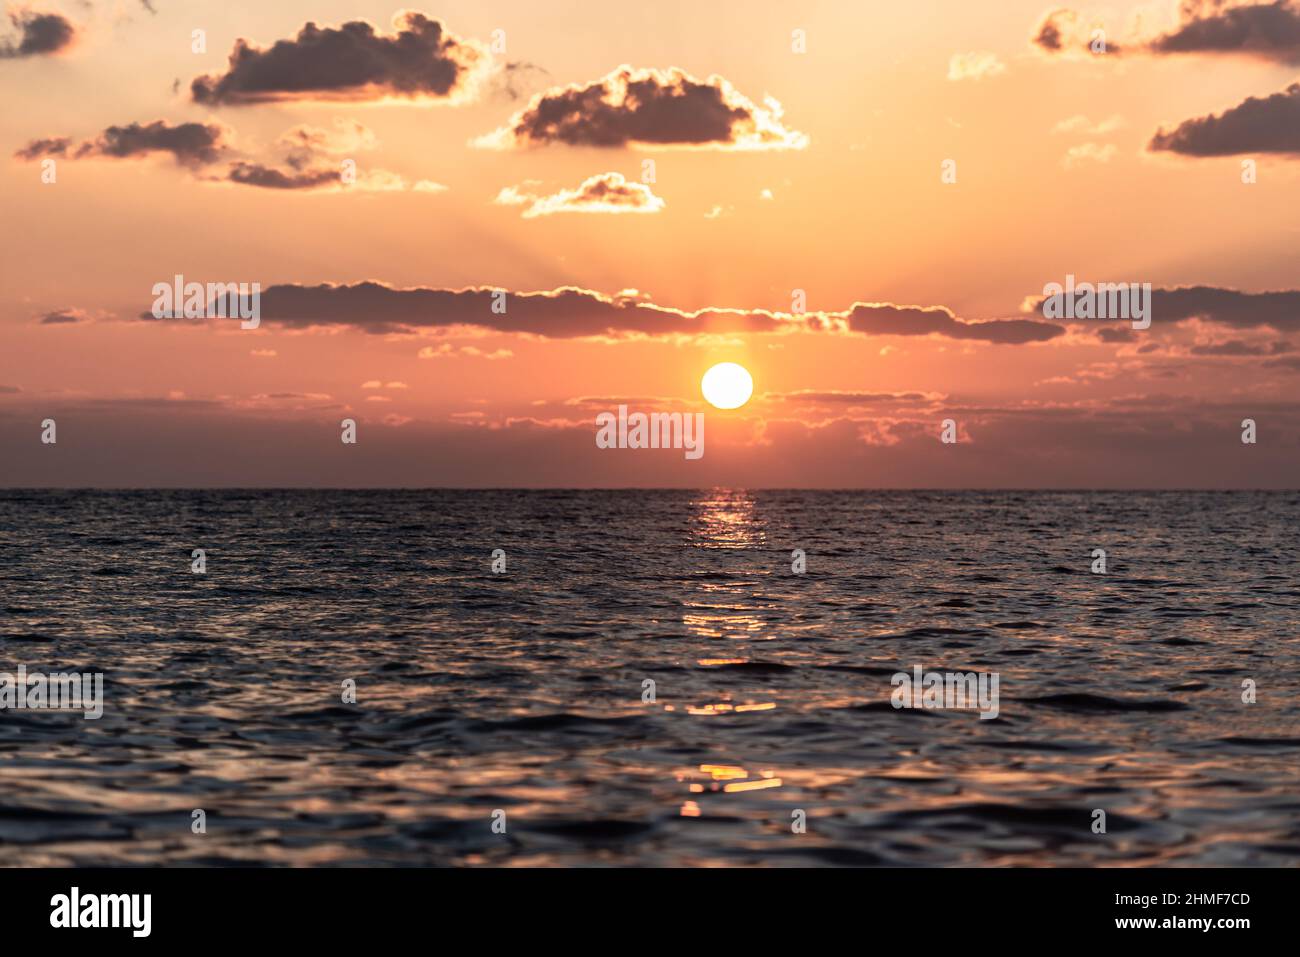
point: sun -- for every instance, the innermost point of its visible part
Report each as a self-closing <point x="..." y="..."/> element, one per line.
<point x="727" y="385"/>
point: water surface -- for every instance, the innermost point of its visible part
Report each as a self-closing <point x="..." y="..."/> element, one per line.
<point x="523" y="691"/>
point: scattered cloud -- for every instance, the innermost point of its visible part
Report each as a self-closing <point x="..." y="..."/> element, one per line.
<point x="39" y="34"/>
<point x="1089" y="153"/>
<point x="648" y="108"/>
<point x="974" y="66"/>
<point x="1268" y="125"/>
<point x="1081" y="124"/>
<point x="447" y="351"/>
<point x="64" y="317"/>
<point x="1265" y="31"/>
<point x="189" y="144"/>
<point x="603" y="193"/>
<point x="311" y="157"/>
<point x="421" y="60"/>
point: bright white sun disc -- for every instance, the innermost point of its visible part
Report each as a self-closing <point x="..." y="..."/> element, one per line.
<point x="727" y="385"/>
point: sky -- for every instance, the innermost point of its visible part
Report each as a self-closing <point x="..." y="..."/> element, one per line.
<point x="477" y="226"/>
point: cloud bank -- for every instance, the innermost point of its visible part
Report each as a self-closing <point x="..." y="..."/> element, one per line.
<point x="571" y="312"/>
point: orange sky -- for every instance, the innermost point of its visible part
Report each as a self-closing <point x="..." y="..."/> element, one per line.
<point x="842" y="198"/>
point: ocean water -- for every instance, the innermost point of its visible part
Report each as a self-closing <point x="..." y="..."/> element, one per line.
<point x="524" y="692"/>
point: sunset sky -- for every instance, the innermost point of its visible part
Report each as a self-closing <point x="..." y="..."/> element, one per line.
<point x="503" y="146"/>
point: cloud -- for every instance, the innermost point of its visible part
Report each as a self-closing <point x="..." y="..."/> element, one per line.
<point x="314" y="159"/>
<point x="189" y="144"/>
<point x="1227" y="307"/>
<point x="1064" y="31"/>
<point x="420" y="60"/>
<point x="887" y="319"/>
<point x="1265" y="31"/>
<point x="647" y="108"/>
<point x="304" y="142"/>
<point x="39" y="34"/>
<point x="62" y="317"/>
<point x="603" y="193"/>
<point x="1236" y="347"/>
<point x="255" y="174"/>
<point x="1268" y="125"/>
<point x="50" y="146"/>
<point x="1081" y="124"/>
<point x="310" y="158"/>
<point x="974" y="66"/>
<point x="570" y="312"/>
<point x="1143" y="441"/>
<point x="813" y="397"/>
<point x="325" y="178"/>
<point x="447" y="351"/>
<point x="1088" y="153"/>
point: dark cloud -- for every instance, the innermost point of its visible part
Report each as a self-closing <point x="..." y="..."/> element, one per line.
<point x="352" y="62"/>
<point x="603" y="193"/>
<point x="1114" y="335"/>
<point x="1064" y="31"/>
<point x="39" y="34"/>
<point x="1266" y="31"/>
<point x="890" y="320"/>
<point x="515" y="79"/>
<point x="190" y="144"/>
<point x="813" y="397"/>
<point x="1051" y="32"/>
<point x="651" y="107"/>
<point x="1269" y="31"/>
<point x="1236" y="347"/>
<point x="62" y="317"/>
<point x="1228" y="307"/>
<point x="308" y="162"/>
<point x="570" y="312"/>
<point x="1268" y="125"/>
<point x="255" y="174"/>
<point x="51" y="146"/>
<point x="1172" y="441"/>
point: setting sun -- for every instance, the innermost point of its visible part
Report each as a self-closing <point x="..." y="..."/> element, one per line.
<point x="727" y="385"/>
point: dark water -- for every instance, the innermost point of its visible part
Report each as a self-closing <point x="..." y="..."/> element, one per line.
<point x="523" y="691"/>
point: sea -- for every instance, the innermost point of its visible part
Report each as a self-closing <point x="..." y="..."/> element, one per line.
<point x="644" y="678"/>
